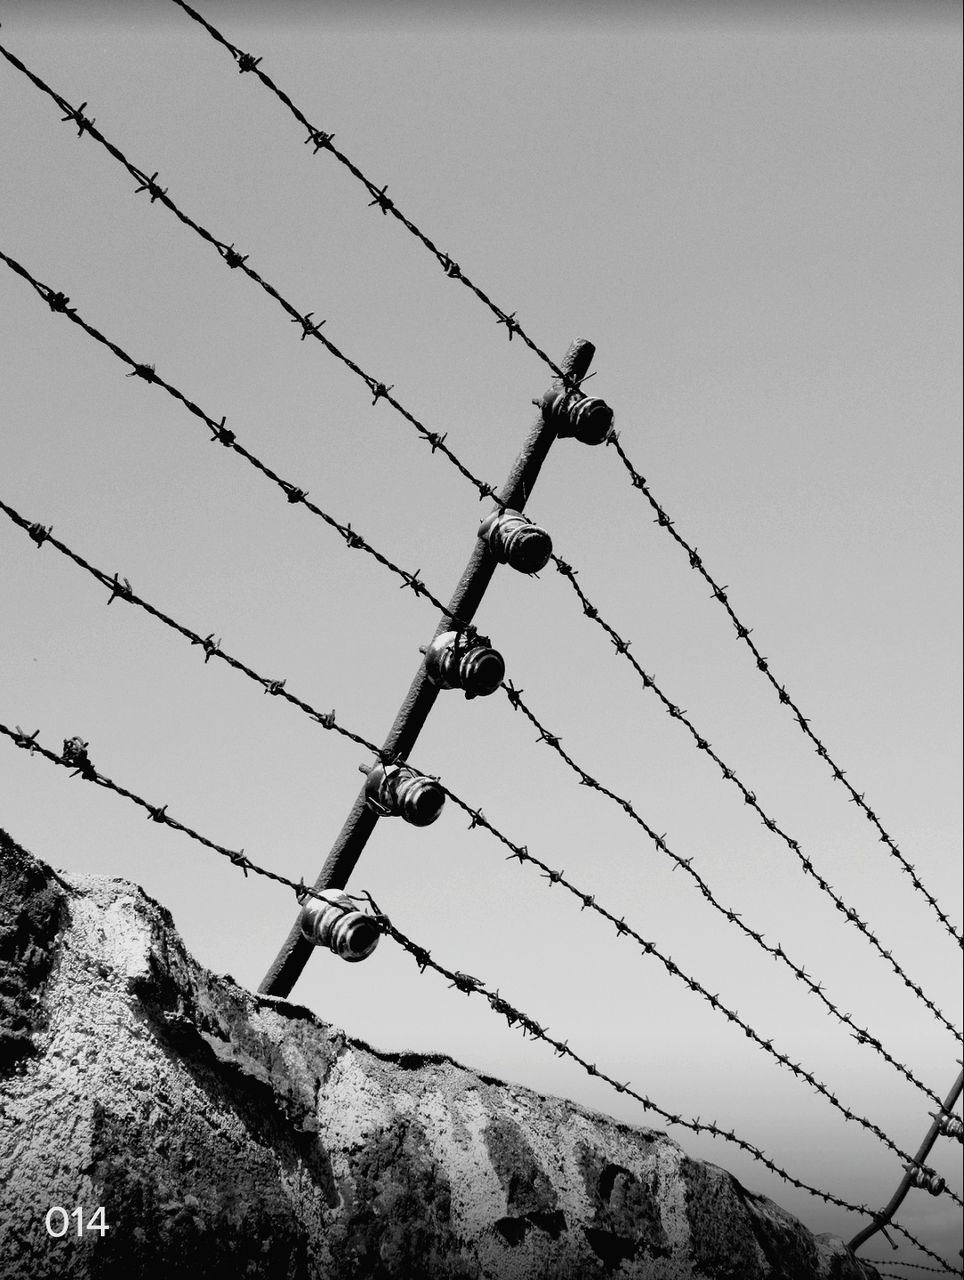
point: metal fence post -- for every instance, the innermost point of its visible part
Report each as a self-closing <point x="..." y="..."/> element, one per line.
<point x="347" y="849"/>
<point x="881" y="1219"/>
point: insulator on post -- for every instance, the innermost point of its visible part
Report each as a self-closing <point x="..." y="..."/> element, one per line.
<point x="453" y="661"/>
<point x="514" y="539"/>
<point x="396" y="790"/>
<point x="926" y="1179"/>
<point x="332" y="920"/>
<point x="587" y="418"/>
<point x="952" y="1127"/>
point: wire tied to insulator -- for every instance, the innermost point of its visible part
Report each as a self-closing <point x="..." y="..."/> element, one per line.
<point x="950" y="1126"/>
<point x="331" y="919"/>
<point x="464" y="660"/>
<point x="588" y="418"/>
<point x="397" y="790"/>
<point x="516" y="540"/>
<point x="926" y="1179"/>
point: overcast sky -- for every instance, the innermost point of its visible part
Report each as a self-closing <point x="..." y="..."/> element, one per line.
<point x="753" y="213"/>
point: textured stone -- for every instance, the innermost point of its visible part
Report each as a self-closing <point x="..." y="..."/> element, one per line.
<point x="232" y="1135"/>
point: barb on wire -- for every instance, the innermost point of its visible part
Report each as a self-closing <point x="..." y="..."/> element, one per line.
<point x="222" y="435"/>
<point x="210" y="646"/>
<point x="380" y="390"/>
<point x="528" y="1026"/>
<point x="74" y="757"/>
<point x="729" y="774"/>
<point x="893" y="1262"/>
<point x="462" y="981"/>
<point x="554" y="877"/>
<point x="552" y="740"/>
<point x="743" y="633"/>
<point x="277" y="687"/>
<point x="324" y="140"/>
<point x="321" y="140"/>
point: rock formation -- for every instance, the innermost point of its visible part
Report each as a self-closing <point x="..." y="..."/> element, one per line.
<point x="232" y="1135"/>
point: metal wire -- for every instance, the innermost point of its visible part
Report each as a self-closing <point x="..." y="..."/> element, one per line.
<point x="743" y="633"/>
<point x="624" y="649"/>
<point x="236" y="260"/>
<point x="553" y="740"/>
<point x="474" y="986"/>
<point x="380" y="391"/>
<point x="322" y="140"/>
<point x="120" y="588"/>
<point x="59" y="302"/>
<point x="75" y="757"/>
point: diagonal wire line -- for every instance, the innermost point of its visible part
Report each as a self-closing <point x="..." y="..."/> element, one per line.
<point x="473" y="986"/>
<point x="743" y="633"/>
<point x="889" y="1262"/>
<point x="120" y="588"/>
<point x="323" y="141"/>
<point x="437" y="442"/>
<point x="234" y="259"/>
<point x="624" y="649"/>
<point x="553" y="740"/>
<point x="59" y="302"/>
<point x="76" y="759"/>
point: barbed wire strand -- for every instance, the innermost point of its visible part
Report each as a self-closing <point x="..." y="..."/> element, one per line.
<point x="743" y="633"/>
<point x="554" y="742"/>
<point x="323" y="140"/>
<point x="623" y="649"/>
<point x="891" y="1262"/>
<point x="473" y="986"/>
<point x="120" y="588"/>
<point x="437" y="442"/>
<point x="379" y="389"/>
<point x="75" y="757"/>
<point x="59" y="302"/>
<point x="235" y="260"/>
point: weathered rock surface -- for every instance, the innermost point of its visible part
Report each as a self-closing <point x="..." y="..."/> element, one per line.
<point x="232" y="1135"/>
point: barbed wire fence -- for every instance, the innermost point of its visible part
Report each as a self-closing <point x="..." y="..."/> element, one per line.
<point x="568" y="401"/>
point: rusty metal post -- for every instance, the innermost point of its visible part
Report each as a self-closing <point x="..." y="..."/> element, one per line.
<point x="884" y="1216"/>
<point x="347" y="849"/>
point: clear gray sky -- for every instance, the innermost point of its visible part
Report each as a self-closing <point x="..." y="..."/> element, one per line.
<point x="753" y="213"/>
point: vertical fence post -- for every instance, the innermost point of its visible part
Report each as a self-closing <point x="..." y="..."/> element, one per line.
<point x="347" y="849"/>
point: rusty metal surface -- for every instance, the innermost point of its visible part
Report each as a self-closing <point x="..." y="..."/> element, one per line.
<point x="360" y="823"/>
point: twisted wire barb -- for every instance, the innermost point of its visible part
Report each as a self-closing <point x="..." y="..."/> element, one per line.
<point x="623" y="649"/>
<point x="890" y="1262"/>
<point x="323" y="141"/>
<point x="59" y="302"/>
<point x="379" y="390"/>
<point x="120" y="588"/>
<point x="552" y="740"/>
<point x="76" y="759"/>
<point x="236" y="260"/>
<point x="470" y="985"/>
<point x="552" y="876"/>
<point x="743" y="633"/>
